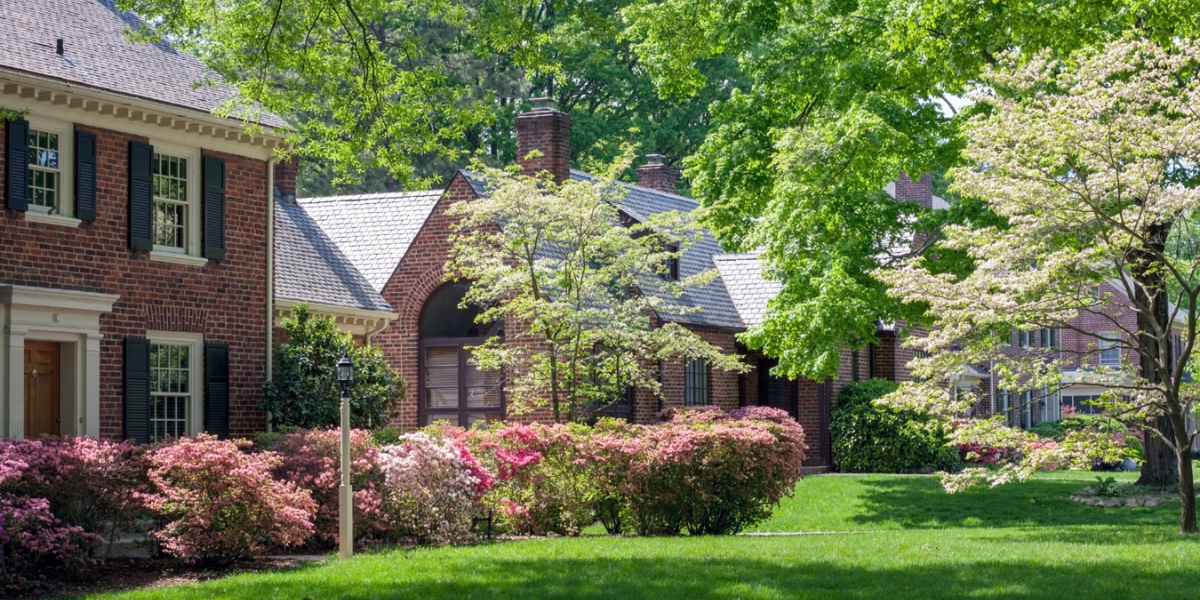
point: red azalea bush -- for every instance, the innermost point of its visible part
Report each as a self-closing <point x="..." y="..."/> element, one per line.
<point x="311" y="459"/>
<point x="221" y="504"/>
<point x="432" y="487"/>
<point x="985" y="455"/>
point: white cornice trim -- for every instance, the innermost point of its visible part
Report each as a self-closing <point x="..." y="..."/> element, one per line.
<point x="50" y="298"/>
<point x="341" y="311"/>
<point x="110" y="110"/>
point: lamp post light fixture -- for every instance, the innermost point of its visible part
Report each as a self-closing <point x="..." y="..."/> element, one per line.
<point x="345" y="375"/>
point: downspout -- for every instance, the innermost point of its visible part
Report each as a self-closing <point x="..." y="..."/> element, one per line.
<point x="270" y="273"/>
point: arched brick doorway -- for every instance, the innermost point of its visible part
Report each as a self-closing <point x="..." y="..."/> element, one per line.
<point x="450" y="387"/>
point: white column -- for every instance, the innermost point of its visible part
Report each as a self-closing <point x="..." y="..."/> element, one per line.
<point x="15" y="372"/>
<point x="91" y="387"/>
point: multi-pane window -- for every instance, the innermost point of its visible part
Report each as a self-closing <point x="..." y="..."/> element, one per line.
<point x="457" y="390"/>
<point x="44" y="188"/>
<point x="1026" y="339"/>
<point x="1049" y="337"/>
<point x="170" y="390"/>
<point x="695" y="375"/>
<point x="671" y="272"/>
<point x="170" y="201"/>
<point x="1110" y="352"/>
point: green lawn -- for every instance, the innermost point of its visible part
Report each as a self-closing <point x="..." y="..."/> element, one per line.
<point x="903" y="538"/>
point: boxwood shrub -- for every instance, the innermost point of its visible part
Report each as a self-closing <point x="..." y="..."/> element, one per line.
<point x="870" y="438"/>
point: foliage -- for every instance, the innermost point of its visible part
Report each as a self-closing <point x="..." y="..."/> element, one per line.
<point x="304" y="390"/>
<point x="1090" y="161"/>
<point x="842" y="97"/>
<point x="221" y="504"/>
<point x="579" y="291"/>
<point x="32" y="538"/>
<point x="872" y="438"/>
<point x="311" y="459"/>
<point x="433" y="487"/>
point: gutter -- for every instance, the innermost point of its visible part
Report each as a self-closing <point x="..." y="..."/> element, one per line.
<point x="271" y="162"/>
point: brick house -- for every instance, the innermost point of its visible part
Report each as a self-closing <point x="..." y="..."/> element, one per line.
<point x="135" y="238"/>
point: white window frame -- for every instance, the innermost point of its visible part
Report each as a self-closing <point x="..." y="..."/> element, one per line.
<point x="66" y="171"/>
<point x="1108" y="340"/>
<point x="190" y="253"/>
<point x="195" y="344"/>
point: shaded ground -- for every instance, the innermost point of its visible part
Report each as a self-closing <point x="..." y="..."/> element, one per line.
<point x="912" y="541"/>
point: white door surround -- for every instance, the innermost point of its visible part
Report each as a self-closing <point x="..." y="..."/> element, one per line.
<point x="70" y="318"/>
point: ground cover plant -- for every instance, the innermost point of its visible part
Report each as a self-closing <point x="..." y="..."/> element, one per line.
<point x="902" y="537"/>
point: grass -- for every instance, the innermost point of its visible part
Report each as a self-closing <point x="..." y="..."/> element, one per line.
<point x="906" y="539"/>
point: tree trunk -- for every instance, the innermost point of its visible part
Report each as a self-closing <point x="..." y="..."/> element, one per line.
<point x="1161" y="467"/>
<point x="1187" y="484"/>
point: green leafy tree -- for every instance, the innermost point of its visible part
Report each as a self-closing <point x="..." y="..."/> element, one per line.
<point x="1090" y="160"/>
<point x="841" y="98"/>
<point x="579" y="291"/>
<point x="304" y="390"/>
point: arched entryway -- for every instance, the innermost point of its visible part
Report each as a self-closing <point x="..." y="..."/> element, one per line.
<point x="451" y="387"/>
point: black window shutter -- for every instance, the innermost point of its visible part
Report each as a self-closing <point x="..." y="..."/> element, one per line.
<point x="137" y="389"/>
<point x="216" y="389"/>
<point x="214" y="208"/>
<point x="141" y="195"/>
<point x="16" y="164"/>
<point x="85" y="176"/>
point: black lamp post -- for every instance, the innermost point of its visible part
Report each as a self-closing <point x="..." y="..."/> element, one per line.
<point x="345" y="375"/>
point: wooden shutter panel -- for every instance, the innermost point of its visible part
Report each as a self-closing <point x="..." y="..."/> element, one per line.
<point x="216" y="389"/>
<point x="16" y="164"/>
<point x="137" y="389"/>
<point x="214" y="208"/>
<point x="85" y="176"/>
<point x="141" y="195"/>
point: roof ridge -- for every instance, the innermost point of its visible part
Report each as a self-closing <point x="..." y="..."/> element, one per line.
<point x="642" y="187"/>
<point x="370" y="196"/>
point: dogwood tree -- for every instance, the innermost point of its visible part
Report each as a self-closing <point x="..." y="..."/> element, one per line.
<point x="582" y="288"/>
<point x="1092" y="162"/>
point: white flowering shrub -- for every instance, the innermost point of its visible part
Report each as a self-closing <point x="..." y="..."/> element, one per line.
<point x="432" y="487"/>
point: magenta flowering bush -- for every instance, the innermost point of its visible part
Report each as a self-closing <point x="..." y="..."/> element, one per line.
<point x="31" y="537"/>
<point x="311" y="459"/>
<point x="221" y="504"/>
<point x="432" y="487"/>
<point x="543" y="481"/>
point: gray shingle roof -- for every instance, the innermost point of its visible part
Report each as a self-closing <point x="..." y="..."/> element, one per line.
<point x="98" y="54"/>
<point x="373" y="230"/>
<point x="749" y="290"/>
<point x="309" y="267"/>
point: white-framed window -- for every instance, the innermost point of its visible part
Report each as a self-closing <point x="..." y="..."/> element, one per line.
<point x="49" y="184"/>
<point x="176" y="384"/>
<point x="1110" y="352"/>
<point x="176" y="187"/>
<point x="1026" y="339"/>
<point x="1049" y="337"/>
<point x="695" y="375"/>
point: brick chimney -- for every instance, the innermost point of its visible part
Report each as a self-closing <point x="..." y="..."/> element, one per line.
<point x="656" y="175"/>
<point x="547" y="130"/>
<point x="919" y="191"/>
<point x="285" y="179"/>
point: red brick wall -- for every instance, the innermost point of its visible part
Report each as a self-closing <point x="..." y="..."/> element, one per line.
<point x="226" y="300"/>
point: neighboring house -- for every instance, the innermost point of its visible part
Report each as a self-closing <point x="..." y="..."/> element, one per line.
<point x="135" y="239"/>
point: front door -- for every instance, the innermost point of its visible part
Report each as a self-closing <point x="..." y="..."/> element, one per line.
<point x="43" y="409"/>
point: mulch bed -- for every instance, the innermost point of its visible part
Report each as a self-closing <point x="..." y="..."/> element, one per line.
<point x="121" y="574"/>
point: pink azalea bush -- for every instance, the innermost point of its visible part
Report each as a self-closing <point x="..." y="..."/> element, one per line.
<point x="713" y="473"/>
<point x="311" y="459"/>
<point x="55" y="497"/>
<point x="221" y="503"/>
<point x="432" y="487"/>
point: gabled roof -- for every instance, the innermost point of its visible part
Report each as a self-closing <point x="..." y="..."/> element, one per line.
<point x="746" y="285"/>
<point x="309" y="267"/>
<point x="373" y="230"/>
<point x="97" y="54"/>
